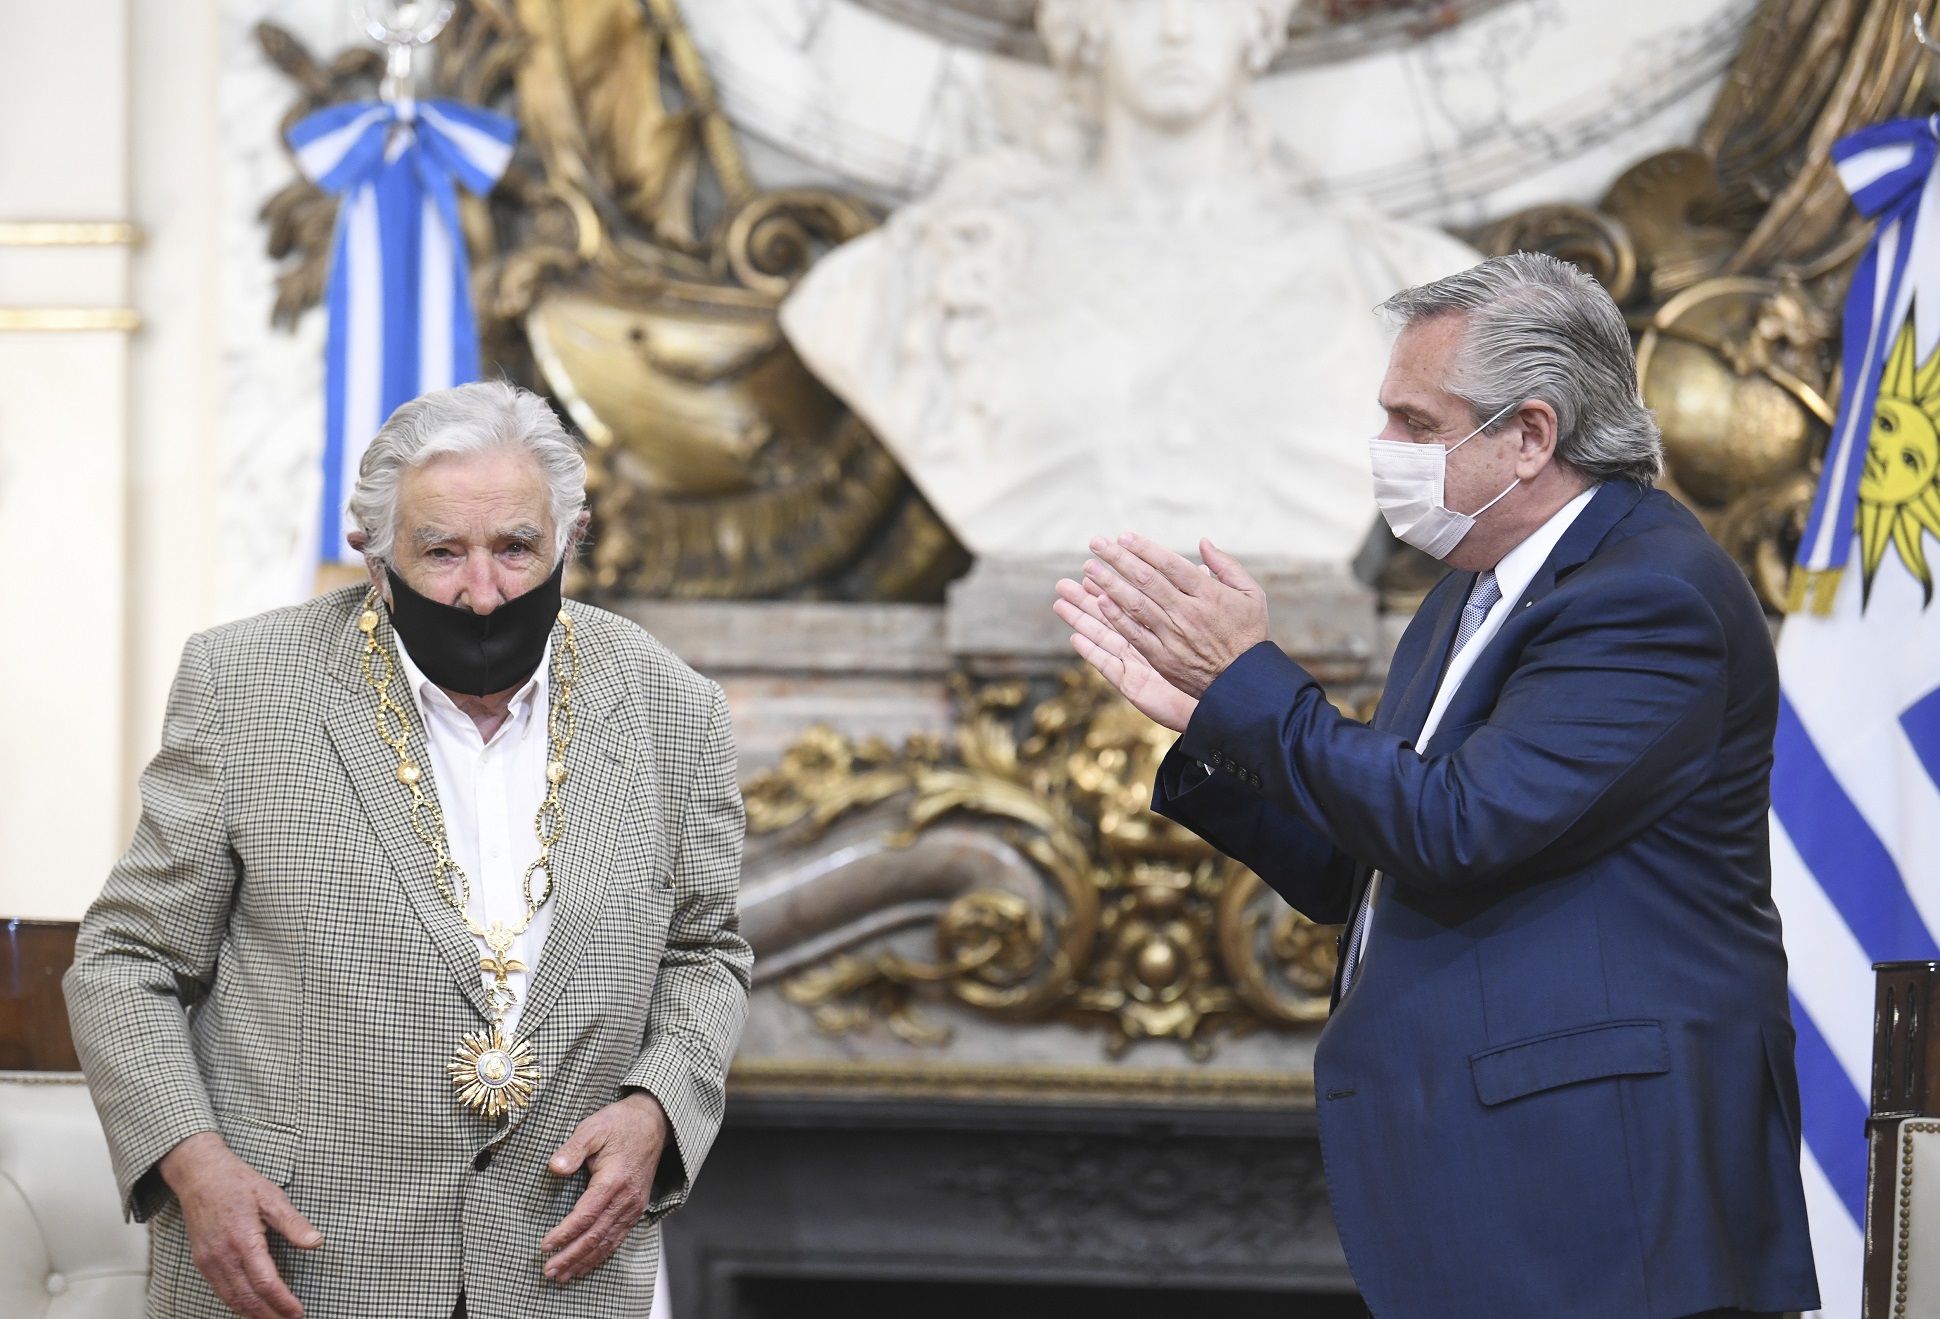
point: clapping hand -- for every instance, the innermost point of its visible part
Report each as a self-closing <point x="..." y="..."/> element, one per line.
<point x="1186" y="622"/>
<point x="1123" y="667"/>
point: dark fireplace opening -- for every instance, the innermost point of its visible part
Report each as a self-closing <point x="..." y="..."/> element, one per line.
<point x="847" y="1298"/>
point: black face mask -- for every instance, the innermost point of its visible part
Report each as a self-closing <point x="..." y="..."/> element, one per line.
<point x="476" y="654"/>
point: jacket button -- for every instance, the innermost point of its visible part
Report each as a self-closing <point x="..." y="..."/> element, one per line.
<point x="482" y="1161"/>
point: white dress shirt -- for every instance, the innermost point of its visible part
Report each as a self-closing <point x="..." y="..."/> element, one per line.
<point x="1513" y="574"/>
<point x="490" y="793"/>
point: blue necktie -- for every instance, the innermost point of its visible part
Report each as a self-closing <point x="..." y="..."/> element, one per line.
<point x="1482" y="597"/>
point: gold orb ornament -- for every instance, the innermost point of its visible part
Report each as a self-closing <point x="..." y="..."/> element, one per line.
<point x="1728" y="369"/>
<point x="494" y="1073"/>
<point x="1158" y="963"/>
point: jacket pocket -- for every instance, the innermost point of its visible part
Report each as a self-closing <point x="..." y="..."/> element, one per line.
<point x="1565" y="1057"/>
<point x="268" y="1147"/>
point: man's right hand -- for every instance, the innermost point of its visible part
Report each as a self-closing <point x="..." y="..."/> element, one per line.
<point x="227" y="1205"/>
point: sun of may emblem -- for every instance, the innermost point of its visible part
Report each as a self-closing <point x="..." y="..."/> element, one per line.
<point x="1899" y="490"/>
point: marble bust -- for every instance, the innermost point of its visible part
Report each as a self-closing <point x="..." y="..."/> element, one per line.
<point x="1140" y="320"/>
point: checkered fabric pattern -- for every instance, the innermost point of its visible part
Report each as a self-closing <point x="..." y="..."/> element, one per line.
<point x="271" y="961"/>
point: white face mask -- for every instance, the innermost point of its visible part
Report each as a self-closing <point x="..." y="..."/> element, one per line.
<point x="1409" y="482"/>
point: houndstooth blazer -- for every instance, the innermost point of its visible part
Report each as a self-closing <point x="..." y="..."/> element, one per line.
<point x="271" y="961"/>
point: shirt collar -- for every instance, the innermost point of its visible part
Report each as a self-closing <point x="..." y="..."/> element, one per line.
<point x="1520" y="565"/>
<point x="428" y="696"/>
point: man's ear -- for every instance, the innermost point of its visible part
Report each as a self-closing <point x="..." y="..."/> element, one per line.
<point x="1538" y="447"/>
<point x="577" y="534"/>
<point x="357" y="540"/>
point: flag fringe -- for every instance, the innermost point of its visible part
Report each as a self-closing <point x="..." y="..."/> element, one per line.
<point x="1815" y="588"/>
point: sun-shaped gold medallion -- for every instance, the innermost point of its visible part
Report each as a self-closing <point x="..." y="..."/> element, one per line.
<point x="1899" y="488"/>
<point x="494" y="1074"/>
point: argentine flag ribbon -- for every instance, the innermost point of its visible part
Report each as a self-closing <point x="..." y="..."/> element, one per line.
<point x="399" y="295"/>
<point x="1855" y="822"/>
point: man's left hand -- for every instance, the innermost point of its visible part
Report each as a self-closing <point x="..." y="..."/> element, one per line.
<point x="1189" y="622"/>
<point x="620" y="1146"/>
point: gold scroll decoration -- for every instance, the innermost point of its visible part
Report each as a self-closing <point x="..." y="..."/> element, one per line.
<point x="1157" y="936"/>
<point x="1731" y="259"/>
<point x="628" y="264"/>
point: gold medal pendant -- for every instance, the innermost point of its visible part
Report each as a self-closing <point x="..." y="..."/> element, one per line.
<point x="494" y="1074"/>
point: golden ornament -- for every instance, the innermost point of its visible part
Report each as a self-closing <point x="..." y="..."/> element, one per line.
<point x="494" y="1073"/>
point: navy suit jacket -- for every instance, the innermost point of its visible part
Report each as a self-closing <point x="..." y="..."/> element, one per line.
<point x="1562" y="1083"/>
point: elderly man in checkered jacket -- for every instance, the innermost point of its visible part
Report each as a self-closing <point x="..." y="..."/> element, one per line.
<point x="415" y="993"/>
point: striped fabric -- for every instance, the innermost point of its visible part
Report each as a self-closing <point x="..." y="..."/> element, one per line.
<point x="1888" y="169"/>
<point x="399" y="295"/>
<point x="1856" y="779"/>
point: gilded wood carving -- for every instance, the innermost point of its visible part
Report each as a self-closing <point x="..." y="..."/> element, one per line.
<point x="1157" y="936"/>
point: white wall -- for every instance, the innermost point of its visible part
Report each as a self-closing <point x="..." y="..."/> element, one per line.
<point x="108" y="490"/>
<point x="175" y="382"/>
<point x="64" y="453"/>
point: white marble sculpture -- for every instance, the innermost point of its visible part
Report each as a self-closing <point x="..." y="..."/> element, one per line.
<point x="1140" y="321"/>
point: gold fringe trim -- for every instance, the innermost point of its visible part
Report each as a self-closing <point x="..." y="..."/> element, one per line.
<point x="1815" y="589"/>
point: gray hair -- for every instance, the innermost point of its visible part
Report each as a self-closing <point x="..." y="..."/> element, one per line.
<point x="474" y="418"/>
<point x="1539" y="328"/>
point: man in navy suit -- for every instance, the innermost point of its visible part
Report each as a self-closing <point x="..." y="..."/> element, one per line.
<point x="1558" y="1078"/>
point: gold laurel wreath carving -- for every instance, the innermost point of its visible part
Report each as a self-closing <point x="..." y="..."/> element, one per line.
<point x="1155" y="935"/>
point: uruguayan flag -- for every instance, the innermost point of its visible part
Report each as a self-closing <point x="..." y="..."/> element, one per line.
<point x="1856" y="783"/>
<point x="399" y="295"/>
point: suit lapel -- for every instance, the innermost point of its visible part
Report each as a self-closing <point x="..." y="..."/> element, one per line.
<point x="609" y="773"/>
<point x="1407" y="711"/>
<point x="372" y="767"/>
<point x="1610" y="505"/>
<point x="1403" y="711"/>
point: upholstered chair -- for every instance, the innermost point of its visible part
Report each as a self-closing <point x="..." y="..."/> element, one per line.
<point x="65" y="1252"/>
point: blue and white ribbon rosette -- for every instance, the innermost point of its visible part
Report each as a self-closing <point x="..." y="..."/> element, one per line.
<point x="399" y="295"/>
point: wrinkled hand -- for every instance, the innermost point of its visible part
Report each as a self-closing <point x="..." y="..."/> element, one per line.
<point x="620" y="1146"/>
<point x="1188" y="622"/>
<point x="1113" y="656"/>
<point x="226" y="1207"/>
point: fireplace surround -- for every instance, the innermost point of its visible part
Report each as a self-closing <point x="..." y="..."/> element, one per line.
<point x="873" y="1205"/>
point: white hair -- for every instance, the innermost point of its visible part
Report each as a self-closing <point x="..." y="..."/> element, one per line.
<point x="1539" y="328"/>
<point x="474" y="418"/>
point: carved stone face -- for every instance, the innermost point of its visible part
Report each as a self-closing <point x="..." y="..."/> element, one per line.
<point x="1174" y="62"/>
